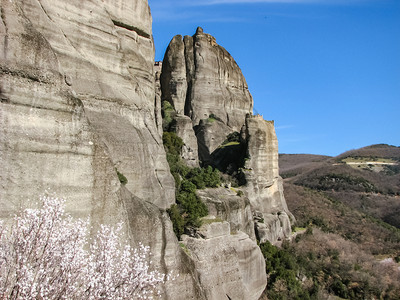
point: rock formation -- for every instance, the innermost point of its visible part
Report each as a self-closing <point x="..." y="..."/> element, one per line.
<point x="241" y="267"/>
<point x="78" y="107"/>
<point x="202" y="80"/>
<point x="77" y="104"/>
<point x="78" y="79"/>
<point x="263" y="183"/>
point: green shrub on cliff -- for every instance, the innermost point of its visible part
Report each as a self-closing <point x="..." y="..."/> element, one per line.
<point x="122" y="179"/>
<point x="168" y="112"/>
<point x="177" y="220"/>
<point x="204" y="177"/>
<point x="186" y="214"/>
<point x="172" y="143"/>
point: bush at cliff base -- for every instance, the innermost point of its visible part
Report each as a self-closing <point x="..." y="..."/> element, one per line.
<point x="46" y="254"/>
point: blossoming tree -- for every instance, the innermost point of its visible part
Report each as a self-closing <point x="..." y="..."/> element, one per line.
<point x="46" y="254"/>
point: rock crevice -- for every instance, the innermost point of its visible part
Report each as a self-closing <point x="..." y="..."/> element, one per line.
<point x="80" y="106"/>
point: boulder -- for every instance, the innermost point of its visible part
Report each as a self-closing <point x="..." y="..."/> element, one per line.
<point x="229" y="205"/>
<point x="241" y="267"/>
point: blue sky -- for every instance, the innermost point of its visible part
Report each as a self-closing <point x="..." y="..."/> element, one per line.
<point x="327" y="71"/>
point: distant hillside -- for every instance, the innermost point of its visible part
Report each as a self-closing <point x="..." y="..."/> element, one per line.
<point x="362" y="179"/>
<point x="293" y="164"/>
<point x="374" y="151"/>
<point x="347" y="211"/>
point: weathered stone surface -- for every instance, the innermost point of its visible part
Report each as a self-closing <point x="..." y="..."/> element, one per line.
<point x="273" y="227"/>
<point x="214" y="228"/>
<point x="218" y="85"/>
<point x="157" y="100"/>
<point x="108" y="68"/>
<point x="241" y="267"/>
<point x="263" y="183"/>
<point x="77" y="101"/>
<point x="173" y="75"/>
<point x="182" y="126"/>
<point x="202" y="79"/>
<point x="151" y="226"/>
<point x="210" y="134"/>
<point x="225" y="204"/>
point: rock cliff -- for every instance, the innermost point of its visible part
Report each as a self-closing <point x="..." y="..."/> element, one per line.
<point x="263" y="183"/>
<point x="77" y="104"/>
<point x="78" y="78"/>
<point x="78" y="107"/>
<point x="202" y="80"/>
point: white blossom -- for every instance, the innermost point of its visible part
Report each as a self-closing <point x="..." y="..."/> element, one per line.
<point x="46" y="254"/>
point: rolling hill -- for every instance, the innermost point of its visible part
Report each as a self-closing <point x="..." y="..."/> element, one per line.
<point x="347" y="229"/>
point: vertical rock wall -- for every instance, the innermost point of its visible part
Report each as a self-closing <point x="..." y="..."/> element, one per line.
<point x="77" y="103"/>
<point x="202" y="80"/>
<point x="263" y="183"/>
<point x="107" y="69"/>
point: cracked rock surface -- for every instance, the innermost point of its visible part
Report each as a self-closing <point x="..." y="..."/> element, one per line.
<point x="203" y="81"/>
<point x="78" y="103"/>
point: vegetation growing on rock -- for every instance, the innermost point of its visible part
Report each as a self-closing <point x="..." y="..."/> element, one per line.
<point x="122" y="179"/>
<point x="186" y="214"/>
<point x="168" y="113"/>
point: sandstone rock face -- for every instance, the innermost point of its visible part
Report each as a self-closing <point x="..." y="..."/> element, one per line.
<point x="210" y="134"/>
<point x="241" y="268"/>
<point x="218" y="86"/>
<point x="152" y="226"/>
<point x="263" y="183"/>
<point x="108" y="67"/>
<point x="225" y="204"/>
<point x="77" y="103"/>
<point x="173" y="76"/>
<point x="201" y="79"/>
<point x="157" y="100"/>
<point x="183" y="128"/>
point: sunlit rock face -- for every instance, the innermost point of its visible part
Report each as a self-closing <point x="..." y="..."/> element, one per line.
<point x="263" y="183"/>
<point x="182" y="125"/>
<point x="241" y="267"/>
<point x="225" y="204"/>
<point x="79" y="88"/>
<point x="202" y="80"/>
<point x="77" y="104"/>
